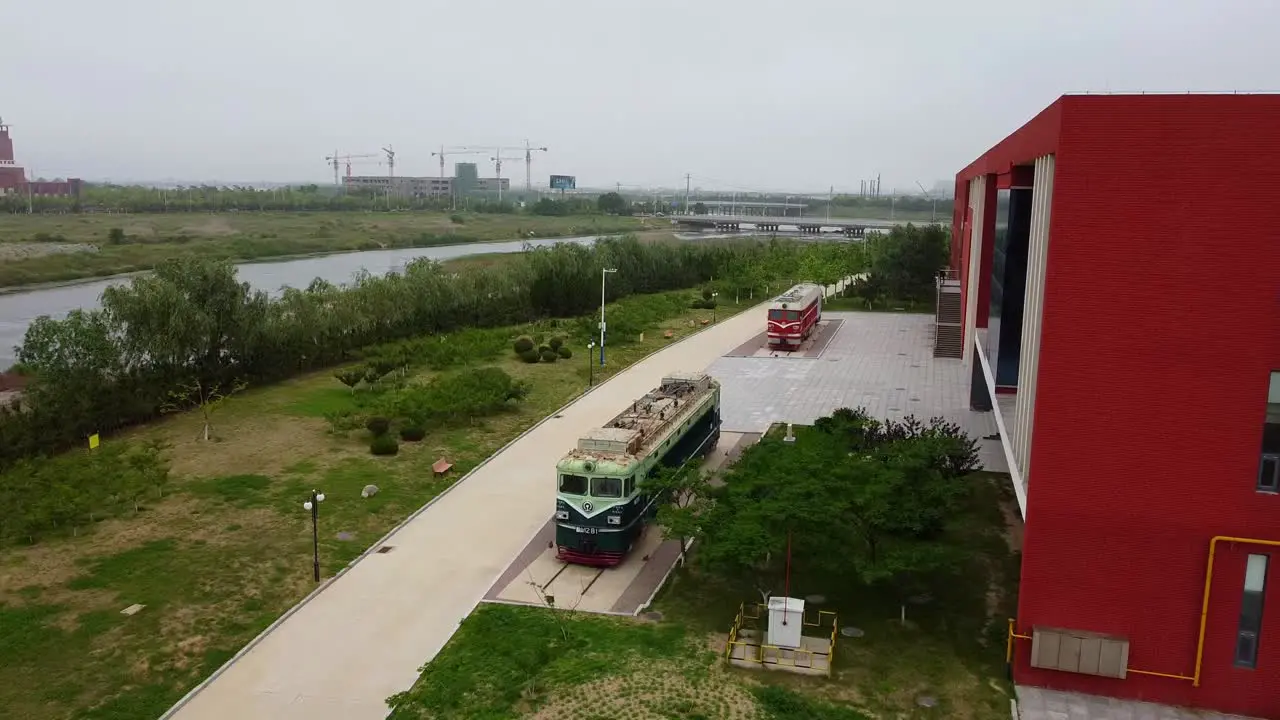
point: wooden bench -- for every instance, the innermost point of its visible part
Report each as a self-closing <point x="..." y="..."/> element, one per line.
<point x="441" y="466"/>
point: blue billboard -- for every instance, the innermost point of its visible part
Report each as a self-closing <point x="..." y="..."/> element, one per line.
<point x="564" y="182"/>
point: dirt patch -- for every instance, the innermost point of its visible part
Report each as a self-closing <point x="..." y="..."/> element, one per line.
<point x="14" y="252"/>
<point x="262" y="445"/>
<point x="1012" y="524"/>
<point x="213" y="227"/>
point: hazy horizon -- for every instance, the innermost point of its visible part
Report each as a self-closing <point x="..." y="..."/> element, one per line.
<point x="740" y="95"/>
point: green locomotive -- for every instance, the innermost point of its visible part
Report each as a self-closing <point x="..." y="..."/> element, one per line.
<point x="601" y="507"/>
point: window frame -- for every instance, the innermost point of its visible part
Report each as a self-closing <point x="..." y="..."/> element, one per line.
<point x="1271" y="484"/>
<point x="602" y="479"/>
<point x="586" y="484"/>
<point x="1252" y="605"/>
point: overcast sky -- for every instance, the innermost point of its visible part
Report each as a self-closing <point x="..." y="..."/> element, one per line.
<point x="743" y="94"/>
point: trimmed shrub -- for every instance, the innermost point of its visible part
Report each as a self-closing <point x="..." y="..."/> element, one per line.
<point x="412" y="433"/>
<point x="556" y="342"/>
<point x="523" y="344"/>
<point x="564" y="352"/>
<point x="384" y="445"/>
<point x="706" y="294"/>
<point x="378" y="425"/>
<point x="549" y="355"/>
<point x="457" y="219"/>
<point x="530" y="356"/>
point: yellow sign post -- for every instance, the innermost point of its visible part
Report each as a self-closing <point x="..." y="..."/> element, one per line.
<point x="93" y="441"/>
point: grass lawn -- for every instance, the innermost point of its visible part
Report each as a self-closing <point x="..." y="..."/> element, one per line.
<point x="228" y="549"/>
<point x="27" y="241"/>
<point x="508" y="662"/>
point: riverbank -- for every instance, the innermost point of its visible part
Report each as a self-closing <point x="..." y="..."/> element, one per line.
<point x="40" y="250"/>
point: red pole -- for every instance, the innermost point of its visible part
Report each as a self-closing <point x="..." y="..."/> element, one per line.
<point x="787" y="596"/>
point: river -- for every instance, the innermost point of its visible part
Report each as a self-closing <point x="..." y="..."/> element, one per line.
<point x="18" y="309"/>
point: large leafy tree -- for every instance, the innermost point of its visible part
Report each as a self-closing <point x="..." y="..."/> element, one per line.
<point x="908" y="259"/>
<point x="851" y="495"/>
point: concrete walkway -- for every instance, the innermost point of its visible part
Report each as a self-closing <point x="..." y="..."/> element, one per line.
<point x="364" y="636"/>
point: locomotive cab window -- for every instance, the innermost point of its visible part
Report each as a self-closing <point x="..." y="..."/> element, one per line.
<point x="606" y="487"/>
<point x="573" y="485"/>
<point x="629" y="487"/>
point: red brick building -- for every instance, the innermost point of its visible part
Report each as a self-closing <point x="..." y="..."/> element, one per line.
<point x="13" y="179"/>
<point x="1119" y="264"/>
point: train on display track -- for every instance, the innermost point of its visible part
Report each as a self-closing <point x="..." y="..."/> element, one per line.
<point x="794" y="315"/>
<point x="602" y="508"/>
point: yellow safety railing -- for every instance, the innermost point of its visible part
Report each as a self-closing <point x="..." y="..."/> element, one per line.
<point x="753" y="612"/>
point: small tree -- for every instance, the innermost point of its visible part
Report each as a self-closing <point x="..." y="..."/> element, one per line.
<point x="203" y="396"/>
<point x="683" y="496"/>
<point x="612" y="203"/>
<point x="350" y="377"/>
<point x="115" y="236"/>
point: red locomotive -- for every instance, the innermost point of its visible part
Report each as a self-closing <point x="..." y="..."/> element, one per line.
<point x="794" y="315"/>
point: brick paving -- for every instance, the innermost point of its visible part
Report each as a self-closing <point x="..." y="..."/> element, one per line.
<point x="881" y="361"/>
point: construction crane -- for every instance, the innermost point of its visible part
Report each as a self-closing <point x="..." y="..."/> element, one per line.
<point x="933" y="200"/>
<point x="453" y="196"/>
<point x="335" y="158"/>
<point x="497" y="168"/>
<point x="528" y="166"/>
<point x="391" y="161"/>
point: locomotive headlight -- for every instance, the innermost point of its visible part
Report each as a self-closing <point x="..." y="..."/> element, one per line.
<point x="562" y="514"/>
<point x="615" y="519"/>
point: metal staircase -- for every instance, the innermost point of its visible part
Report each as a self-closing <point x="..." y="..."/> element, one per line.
<point x="948" y="338"/>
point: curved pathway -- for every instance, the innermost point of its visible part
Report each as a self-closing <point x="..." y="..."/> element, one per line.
<point x="362" y="637"/>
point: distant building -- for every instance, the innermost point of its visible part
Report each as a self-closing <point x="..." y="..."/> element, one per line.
<point x="424" y="187"/>
<point x="13" y="179"/>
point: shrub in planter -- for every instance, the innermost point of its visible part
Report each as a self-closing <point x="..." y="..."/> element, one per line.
<point x="523" y="344"/>
<point x="564" y="352"/>
<point x="556" y="342"/>
<point x="378" y="426"/>
<point x="549" y="355"/>
<point x="531" y="355"/>
<point x="384" y="445"/>
<point x="412" y="433"/>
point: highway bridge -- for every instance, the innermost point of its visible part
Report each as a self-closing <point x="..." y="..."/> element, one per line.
<point x="812" y="225"/>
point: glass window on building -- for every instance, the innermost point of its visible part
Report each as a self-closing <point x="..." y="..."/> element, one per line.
<point x="1255" y="588"/>
<point x="1269" y="464"/>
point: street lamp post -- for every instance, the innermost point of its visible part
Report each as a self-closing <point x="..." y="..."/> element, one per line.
<point x="714" y="295"/>
<point x="313" y="504"/>
<point x="591" y="370"/>
<point x="603" y="273"/>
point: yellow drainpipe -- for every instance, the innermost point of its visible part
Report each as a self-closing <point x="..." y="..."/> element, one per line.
<point x="1204" y="612"/>
<point x="1208" y="586"/>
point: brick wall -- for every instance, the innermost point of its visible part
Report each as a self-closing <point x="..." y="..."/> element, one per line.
<point x="1161" y="325"/>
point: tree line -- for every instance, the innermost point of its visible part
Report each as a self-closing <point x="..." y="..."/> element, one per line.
<point x="192" y="324"/>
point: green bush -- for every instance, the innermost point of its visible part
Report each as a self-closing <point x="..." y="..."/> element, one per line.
<point x="378" y="425"/>
<point x="555" y="342"/>
<point x="523" y="343"/>
<point x="412" y="433"/>
<point x="384" y="445"/>
<point x="115" y="236"/>
<point x="457" y="219"/>
<point x="564" y="352"/>
<point x="549" y="355"/>
<point x="531" y="355"/>
<point x="706" y="294"/>
<point x="462" y="395"/>
<point x="543" y="348"/>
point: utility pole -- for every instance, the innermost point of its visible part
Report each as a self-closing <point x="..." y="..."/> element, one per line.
<point x="687" y="179"/>
<point x="831" y="194"/>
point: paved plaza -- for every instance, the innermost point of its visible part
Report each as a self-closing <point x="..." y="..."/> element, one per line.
<point x="1041" y="704"/>
<point x="880" y="361"/>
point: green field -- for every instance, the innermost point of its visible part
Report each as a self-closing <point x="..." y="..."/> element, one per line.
<point x="50" y="248"/>
<point x="508" y="662"/>
<point x="228" y="547"/>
